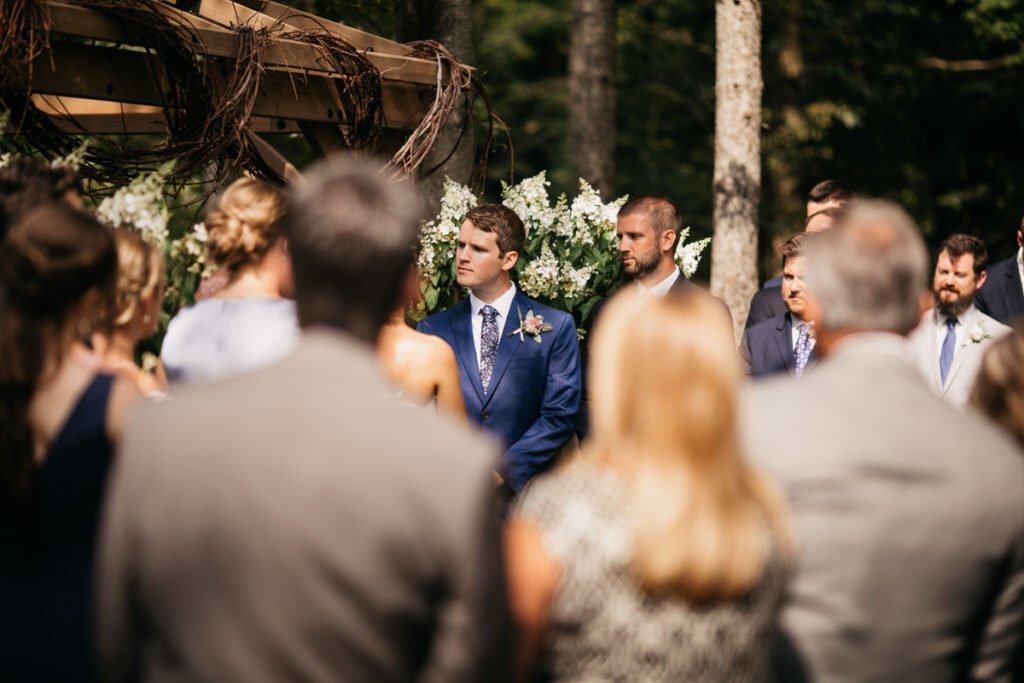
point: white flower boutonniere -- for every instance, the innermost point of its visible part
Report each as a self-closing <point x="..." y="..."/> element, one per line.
<point x="977" y="334"/>
<point x="532" y="325"/>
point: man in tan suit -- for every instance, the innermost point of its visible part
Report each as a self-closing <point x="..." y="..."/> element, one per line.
<point x="907" y="514"/>
<point x="300" y="523"/>
<point x="954" y="335"/>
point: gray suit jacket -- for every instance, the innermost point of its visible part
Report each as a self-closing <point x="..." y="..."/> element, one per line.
<point x="966" y="356"/>
<point x="908" y="522"/>
<point x="300" y="524"/>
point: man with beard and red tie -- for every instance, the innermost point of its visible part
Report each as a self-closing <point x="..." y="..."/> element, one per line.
<point x="953" y="336"/>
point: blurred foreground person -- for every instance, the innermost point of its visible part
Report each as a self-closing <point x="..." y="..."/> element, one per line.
<point x="999" y="389"/>
<point x="422" y="366"/>
<point x="26" y="183"/>
<point x="135" y="314"/>
<point x="299" y="523"/>
<point x="907" y="514"/>
<point x="248" y="323"/>
<point x="658" y="555"/>
<point x="951" y="338"/>
<point x="59" y="424"/>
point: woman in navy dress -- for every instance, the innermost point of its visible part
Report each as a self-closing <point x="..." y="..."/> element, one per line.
<point x="59" y="422"/>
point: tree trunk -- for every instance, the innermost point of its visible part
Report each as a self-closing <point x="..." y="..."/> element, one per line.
<point x="592" y="93"/>
<point x="737" y="181"/>
<point x="450" y="22"/>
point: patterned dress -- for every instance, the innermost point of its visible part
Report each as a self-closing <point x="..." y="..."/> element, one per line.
<point x="604" y="627"/>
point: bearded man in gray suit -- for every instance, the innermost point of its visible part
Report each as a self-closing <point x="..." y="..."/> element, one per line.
<point x="300" y="523"/>
<point x="907" y="514"/>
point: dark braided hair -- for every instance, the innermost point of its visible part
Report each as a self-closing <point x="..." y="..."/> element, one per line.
<point x="50" y="259"/>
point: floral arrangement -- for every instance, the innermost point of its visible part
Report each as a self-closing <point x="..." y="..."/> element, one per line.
<point x="570" y="260"/>
<point x="141" y="206"/>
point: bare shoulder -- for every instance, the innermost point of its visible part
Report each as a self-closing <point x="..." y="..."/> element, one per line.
<point x="124" y="400"/>
<point x="437" y="349"/>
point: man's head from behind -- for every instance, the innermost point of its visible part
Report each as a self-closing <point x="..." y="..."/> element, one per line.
<point x="959" y="271"/>
<point x="351" y="233"/>
<point x="869" y="273"/>
<point x="648" y="230"/>
<point x="828" y="194"/>
<point x="27" y="182"/>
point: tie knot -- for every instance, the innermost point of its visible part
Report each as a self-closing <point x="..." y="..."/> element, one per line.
<point x="490" y="313"/>
<point x="951" y="323"/>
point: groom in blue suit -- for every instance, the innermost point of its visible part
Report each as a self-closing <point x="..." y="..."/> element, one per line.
<point x="519" y="361"/>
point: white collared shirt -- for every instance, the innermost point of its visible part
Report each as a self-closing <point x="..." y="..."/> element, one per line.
<point x="502" y="304"/>
<point x="794" y="333"/>
<point x="939" y="322"/>
<point x="660" y="289"/>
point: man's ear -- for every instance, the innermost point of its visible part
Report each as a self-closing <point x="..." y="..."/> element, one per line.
<point x="1020" y="238"/>
<point x="668" y="238"/>
<point x="508" y="261"/>
<point x="981" y="278"/>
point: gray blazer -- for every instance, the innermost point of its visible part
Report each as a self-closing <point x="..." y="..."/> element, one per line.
<point x="300" y="524"/>
<point x="908" y="522"/>
<point x="979" y="331"/>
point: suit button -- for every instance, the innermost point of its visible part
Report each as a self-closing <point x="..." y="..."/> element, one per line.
<point x="485" y="415"/>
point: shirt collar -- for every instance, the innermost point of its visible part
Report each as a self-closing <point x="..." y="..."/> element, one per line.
<point x="661" y="289"/>
<point x="940" y="318"/>
<point x="502" y="304"/>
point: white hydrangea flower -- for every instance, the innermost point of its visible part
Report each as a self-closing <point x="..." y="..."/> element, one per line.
<point x="192" y="247"/>
<point x="541" y="277"/>
<point x="140" y="205"/>
<point x="688" y="255"/>
<point x="5" y="159"/>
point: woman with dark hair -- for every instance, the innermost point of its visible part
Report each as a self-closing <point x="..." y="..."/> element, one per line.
<point x="59" y="423"/>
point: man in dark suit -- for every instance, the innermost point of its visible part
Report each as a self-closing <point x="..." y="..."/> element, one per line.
<point x="299" y="523"/>
<point x="519" y="362"/>
<point x="783" y="343"/>
<point x="1002" y="295"/>
<point x="648" y="229"/>
<point x="826" y="203"/>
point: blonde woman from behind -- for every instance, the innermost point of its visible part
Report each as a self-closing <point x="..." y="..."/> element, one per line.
<point x="135" y="313"/>
<point x="658" y="555"/>
<point x="250" y="322"/>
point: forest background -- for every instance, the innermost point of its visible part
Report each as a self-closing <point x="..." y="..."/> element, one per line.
<point x="920" y="102"/>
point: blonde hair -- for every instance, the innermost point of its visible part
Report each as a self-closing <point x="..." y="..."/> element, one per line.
<point x="140" y="269"/>
<point x="665" y="381"/>
<point x="243" y="225"/>
<point x="999" y="389"/>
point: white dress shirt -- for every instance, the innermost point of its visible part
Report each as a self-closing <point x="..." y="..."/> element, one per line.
<point x="660" y="289"/>
<point x="794" y="333"/>
<point x="502" y="304"/>
<point x="939" y="323"/>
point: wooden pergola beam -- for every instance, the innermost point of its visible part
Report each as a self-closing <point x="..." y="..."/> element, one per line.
<point x="76" y="115"/>
<point x="112" y="74"/>
<point x="79" y="21"/>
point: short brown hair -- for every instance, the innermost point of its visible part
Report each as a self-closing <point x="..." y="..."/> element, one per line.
<point x="831" y="191"/>
<point x="661" y="212"/>
<point x="793" y="247"/>
<point x="960" y="244"/>
<point x="836" y="213"/>
<point x="503" y="222"/>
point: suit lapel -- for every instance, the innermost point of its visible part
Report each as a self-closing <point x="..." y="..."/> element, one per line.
<point x="507" y="346"/>
<point x="465" y="350"/>
<point x="1014" y="293"/>
<point x="784" y="341"/>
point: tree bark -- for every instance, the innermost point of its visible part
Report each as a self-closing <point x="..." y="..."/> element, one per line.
<point x="592" y="93"/>
<point x="450" y="22"/>
<point x="737" y="179"/>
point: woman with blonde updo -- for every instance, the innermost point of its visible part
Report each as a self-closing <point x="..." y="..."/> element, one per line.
<point x="135" y="313"/>
<point x="249" y="323"/>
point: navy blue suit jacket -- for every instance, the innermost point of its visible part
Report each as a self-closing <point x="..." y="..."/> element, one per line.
<point x="767" y="303"/>
<point x="1001" y="296"/>
<point x="767" y="347"/>
<point x="535" y="388"/>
